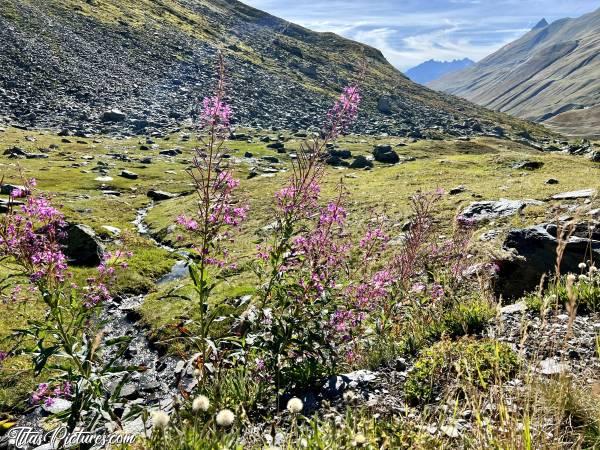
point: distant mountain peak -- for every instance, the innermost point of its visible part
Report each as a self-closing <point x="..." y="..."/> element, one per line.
<point x="541" y="24"/>
<point x="432" y="70"/>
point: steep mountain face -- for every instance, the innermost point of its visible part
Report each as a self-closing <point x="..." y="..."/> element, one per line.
<point x="70" y="63"/>
<point x="551" y="70"/>
<point x="432" y="70"/>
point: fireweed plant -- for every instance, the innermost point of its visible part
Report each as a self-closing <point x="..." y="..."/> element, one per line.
<point x="216" y="216"/>
<point x="67" y="344"/>
<point x="322" y="298"/>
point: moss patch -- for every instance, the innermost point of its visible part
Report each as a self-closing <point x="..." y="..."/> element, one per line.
<point x="456" y="365"/>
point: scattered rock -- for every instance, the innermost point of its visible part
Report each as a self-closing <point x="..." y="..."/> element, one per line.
<point x="170" y="152"/>
<point x="361" y="162"/>
<point x="528" y="165"/>
<point x="336" y="161"/>
<point x="4" y="205"/>
<point x="450" y="431"/>
<point x="551" y="367"/>
<point x="573" y="195"/>
<point x="15" y="152"/>
<point x="160" y="195"/>
<point x="276" y="145"/>
<point x="336" y="385"/>
<point x="113" y="115"/>
<point x="6" y="189"/>
<point x="58" y="405"/>
<point x="113" y="231"/>
<point x="551" y="181"/>
<point x="514" y="308"/>
<point x="385" y="154"/>
<point x="457" y="190"/>
<point x="341" y="153"/>
<point x="384" y="105"/>
<point x="129" y="175"/>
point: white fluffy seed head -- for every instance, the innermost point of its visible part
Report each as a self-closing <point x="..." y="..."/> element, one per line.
<point x="349" y="396"/>
<point x="582" y="266"/>
<point x="225" y="418"/>
<point x="200" y="403"/>
<point x="360" y="439"/>
<point x="593" y="269"/>
<point x="571" y="278"/>
<point x="160" y="419"/>
<point x="295" y="405"/>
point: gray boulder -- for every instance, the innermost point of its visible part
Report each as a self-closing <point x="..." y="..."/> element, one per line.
<point x="361" y="162"/>
<point x="6" y="189"/>
<point x="490" y="210"/>
<point x="337" y="385"/>
<point x="535" y="255"/>
<point x="384" y="105"/>
<point x="160" y="195"/>
<point x="15" y="152"/>
<point x="385" y="154"/>
<point x="113" y="115"/>
<point x="6" y="204"/>
<point x="129" y="175"/>
<point x="528" y="165"/>
<point x="170" y="152"/>
<point x="82" y="246"/>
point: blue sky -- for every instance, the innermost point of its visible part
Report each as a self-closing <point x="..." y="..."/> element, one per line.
<point x="412" y="31"/>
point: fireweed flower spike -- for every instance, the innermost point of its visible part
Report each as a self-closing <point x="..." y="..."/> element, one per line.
<point x="217" y="213"/>
<point x="343" y="113"/>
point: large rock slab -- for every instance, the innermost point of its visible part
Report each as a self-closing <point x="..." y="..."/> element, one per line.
<point x="573" y="195"/>
<point x="490" y="210"/>
<point x="535" y="249"/>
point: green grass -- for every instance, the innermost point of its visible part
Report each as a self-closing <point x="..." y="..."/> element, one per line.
<point x="482" y="165"/>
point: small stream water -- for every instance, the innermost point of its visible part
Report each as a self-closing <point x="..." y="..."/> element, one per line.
<point x="163" y="377"/>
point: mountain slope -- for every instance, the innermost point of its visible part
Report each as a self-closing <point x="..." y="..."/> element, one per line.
<point x="432" y="70"/>
<point x="66" y="62"/>
<point x="552" y="69"/>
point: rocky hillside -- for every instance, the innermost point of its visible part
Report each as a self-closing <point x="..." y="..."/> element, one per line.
<point x="552" y="70"/>
<point x="432" y="70"/>
<point x="92" y="66"/>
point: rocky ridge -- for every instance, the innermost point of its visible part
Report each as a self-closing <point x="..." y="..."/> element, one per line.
<point x="101" y="66"/>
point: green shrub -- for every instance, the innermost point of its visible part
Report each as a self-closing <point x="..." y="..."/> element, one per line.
<point x="468" y="317"/>
<point x="459" y="364"/>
